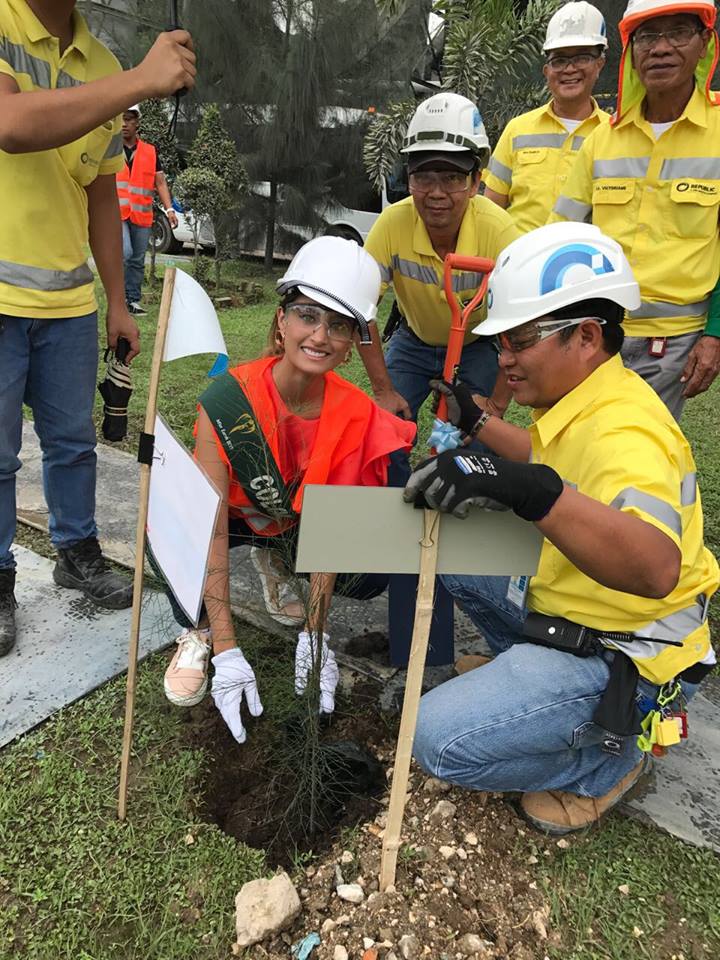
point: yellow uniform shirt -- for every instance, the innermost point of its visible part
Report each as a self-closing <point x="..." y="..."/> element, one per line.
<point x="532" y="160"/>
<point x="614" y="440"/>
<point x="660" y="199"/>
<point x="44" y="236"/>
<point x="400" y="244"/>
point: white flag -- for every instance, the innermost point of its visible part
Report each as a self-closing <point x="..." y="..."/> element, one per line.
<point x="193" y="326"/>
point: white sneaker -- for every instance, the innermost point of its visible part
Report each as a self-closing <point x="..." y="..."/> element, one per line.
<point x="137" y="309"/>
<point x="280" y="600"/>
<point x="186" y="677"/>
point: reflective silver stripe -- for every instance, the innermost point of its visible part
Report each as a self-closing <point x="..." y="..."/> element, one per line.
<point x="577" y="142"/>
<point x="621" y="167"/>
<point x="705" y="168"/>
<point x="688" y="489"/>
<point x="385" y="273"/>
<point x="121" y="184"/>
<point x="65" y="80"/>
<point x="662" y="511"/>
<point x="38" y="278"/>
<point x="466" y="281"/>
<point x="114" y="150"/>
<point x="23" y="62"/>
<point x="500" y="171"/>
<point x="415" y="271"/>
<point x="141" y="191"/>
<point x="675" y="627"/>
<point x="539" y="140"/>
<point x="649" y="309"/>
<point x="572" y="209"/>
<point x="124" y="202"/>
<point x="140" y="207"/>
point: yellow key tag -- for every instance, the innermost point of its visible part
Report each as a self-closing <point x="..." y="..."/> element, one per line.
<point x="668" y="733"/>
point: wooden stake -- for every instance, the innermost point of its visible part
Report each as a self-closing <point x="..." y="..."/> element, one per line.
<point x="413" y="688"/>
<point x="144" y="498"/>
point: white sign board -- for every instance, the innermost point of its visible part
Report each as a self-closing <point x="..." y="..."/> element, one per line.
<point x="182" y="513"/>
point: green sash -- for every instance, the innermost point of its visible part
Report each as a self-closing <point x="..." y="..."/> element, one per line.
<point x="247" y="449"/>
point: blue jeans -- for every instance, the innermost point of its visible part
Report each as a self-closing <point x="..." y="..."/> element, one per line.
<point x="51" y="365"/>
<point x="135" y="244"/>
<point x="412" y="364"/>
<point x="524" y="721"/>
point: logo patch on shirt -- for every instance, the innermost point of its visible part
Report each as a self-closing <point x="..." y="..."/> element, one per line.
<point x="695" y="191"/>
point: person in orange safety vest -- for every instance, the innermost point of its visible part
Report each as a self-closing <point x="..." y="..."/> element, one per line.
<point x="136" y="185"/>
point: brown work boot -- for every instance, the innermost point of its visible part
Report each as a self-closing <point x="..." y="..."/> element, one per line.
<point x="471" y="661"/>
<point x="558" y="813"/>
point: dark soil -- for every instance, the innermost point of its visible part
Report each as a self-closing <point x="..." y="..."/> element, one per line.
<point x="263" y="793"/>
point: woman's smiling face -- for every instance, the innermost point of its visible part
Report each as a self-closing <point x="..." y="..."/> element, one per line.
<point x="315" y="339"/>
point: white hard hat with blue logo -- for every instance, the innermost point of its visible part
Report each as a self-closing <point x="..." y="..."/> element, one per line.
<point x="553" y="267"/>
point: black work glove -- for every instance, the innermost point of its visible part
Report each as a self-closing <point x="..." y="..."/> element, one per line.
<point x="462" y="410"/>
<point x="453" y="482"/>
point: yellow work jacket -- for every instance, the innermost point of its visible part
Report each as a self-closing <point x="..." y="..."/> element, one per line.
<point x="613" y="439"/>
<point x="660" y="199"/>
<point x="532" y="160"/>
<point x="400" y="244"/>
<point x="44" y="237"/>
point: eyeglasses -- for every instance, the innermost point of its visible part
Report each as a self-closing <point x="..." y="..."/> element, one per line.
<point x="528" y="335"/>
<point x="557" y="64"/>
<point x="310" y="317"/>
<point x="677" y="37"/>
<point x="449" y="181"/>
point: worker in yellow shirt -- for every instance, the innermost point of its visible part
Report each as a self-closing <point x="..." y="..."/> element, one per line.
<point x="61" y="93"/>
<point x="651" y="180"/>
<point x="446" y="147"/>
<point x="536" y="150"/>
<point x="597" y="655"/>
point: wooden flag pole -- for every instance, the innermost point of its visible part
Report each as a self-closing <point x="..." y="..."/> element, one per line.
<point x="144" y="498"/>
<point x="411" y="701"/>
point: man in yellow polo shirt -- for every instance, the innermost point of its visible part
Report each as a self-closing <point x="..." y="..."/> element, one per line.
<point x="446" y="146"/>
<point x="61" y="92"/>
<point x="651" y="180"/>
<point x="536" y="150"/>
<point x="614" y="623"/>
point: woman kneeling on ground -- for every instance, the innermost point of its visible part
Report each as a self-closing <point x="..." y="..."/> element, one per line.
<point x="265" y="430"/>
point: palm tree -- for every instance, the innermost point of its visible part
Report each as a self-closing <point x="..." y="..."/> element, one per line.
<point x="491" y="53"/>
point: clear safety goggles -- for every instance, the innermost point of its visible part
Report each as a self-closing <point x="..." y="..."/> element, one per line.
<point x="530" y="334"/>
<point x="677" y="37"/>
<point x="449" y="181"/>
<point x="309" y="317"/>
<point x="583" y="60"/>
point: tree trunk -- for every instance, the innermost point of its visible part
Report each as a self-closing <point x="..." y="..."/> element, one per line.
<point x="270" y="225"/>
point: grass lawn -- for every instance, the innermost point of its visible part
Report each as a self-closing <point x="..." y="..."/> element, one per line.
<point x="77" y="885"/>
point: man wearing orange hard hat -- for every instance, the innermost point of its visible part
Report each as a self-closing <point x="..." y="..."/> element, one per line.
<point x="651" y="180"/>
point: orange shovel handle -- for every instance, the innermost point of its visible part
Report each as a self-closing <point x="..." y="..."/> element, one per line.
<point x="460" y="316"/>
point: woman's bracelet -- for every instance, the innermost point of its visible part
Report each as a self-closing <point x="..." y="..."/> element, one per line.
<point x="480" y="423"/>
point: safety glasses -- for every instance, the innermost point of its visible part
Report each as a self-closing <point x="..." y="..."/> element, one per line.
<point x="677" y="37"/>
<point x="449" y="181"/>
<point x="529" y="334"/>
<point x="556" y="64"/>
<point x="309" y="317"/>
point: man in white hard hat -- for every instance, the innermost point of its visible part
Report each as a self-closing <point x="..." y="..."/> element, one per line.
<point x="613" y="626"/>
<point x="535" y="152"/>
<point x="61" y="94"/>
<point x="141" y="175"/>
<point x="446" y="146"/>
<point x="651" y="180"/>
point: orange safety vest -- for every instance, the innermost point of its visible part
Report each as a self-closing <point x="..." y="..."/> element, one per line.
<point x="352" y="431"/>
<point x="137" y="188"/>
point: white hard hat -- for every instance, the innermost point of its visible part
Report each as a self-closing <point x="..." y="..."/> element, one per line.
<point x="577" y="24"/>
<point x="446" y="123"/>
<point x="639" y="10"/>
<point x="553" y="267"/>
<point x="134" y="109"/>
<point x="340" y="275"/>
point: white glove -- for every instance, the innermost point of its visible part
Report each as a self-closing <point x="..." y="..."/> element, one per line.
<point x="306" y="660"/>
<point x="234" y="677"/>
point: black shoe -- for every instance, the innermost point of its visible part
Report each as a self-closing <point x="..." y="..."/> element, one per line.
<point x="136" y="309"/>
<point x="83" y="567"/>
<point x="7" y="611"/>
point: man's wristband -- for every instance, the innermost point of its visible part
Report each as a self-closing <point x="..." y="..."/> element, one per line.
<point x="480" y="423"/>
<point x="169" y="210"/>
